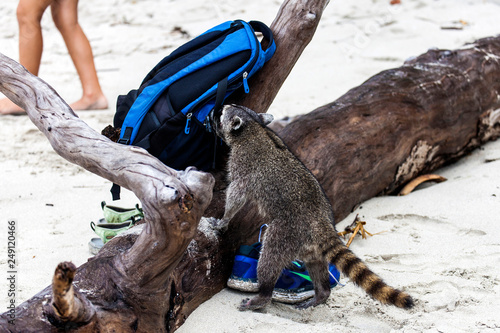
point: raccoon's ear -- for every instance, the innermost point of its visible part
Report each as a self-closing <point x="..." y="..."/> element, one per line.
<point x="236" y="123"/>
<point x="266" y="118"/>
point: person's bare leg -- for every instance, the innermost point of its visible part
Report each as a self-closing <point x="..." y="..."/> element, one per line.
<point x="29" y="15"/>
<point x="65" y="15"/>
<point x="8" y="107"/>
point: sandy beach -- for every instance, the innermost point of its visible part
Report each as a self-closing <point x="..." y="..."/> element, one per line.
<point x="441" y="243"/>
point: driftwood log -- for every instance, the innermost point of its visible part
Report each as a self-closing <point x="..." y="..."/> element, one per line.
<point x="401" y="122"/>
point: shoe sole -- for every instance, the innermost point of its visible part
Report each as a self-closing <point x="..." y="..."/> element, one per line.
<point x="291" y="297"/>
<point x="279" y="295"/>
<point x="243" y="285"/>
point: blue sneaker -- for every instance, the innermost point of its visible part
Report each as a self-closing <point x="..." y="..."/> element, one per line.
<point x="293" y="286"/>
<point x="244" y="274"/>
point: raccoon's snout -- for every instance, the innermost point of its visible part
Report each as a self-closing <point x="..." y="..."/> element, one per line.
<point x="222" y="114"/>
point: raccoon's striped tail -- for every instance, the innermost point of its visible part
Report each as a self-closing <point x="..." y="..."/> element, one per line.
<point x="349" y="264"/>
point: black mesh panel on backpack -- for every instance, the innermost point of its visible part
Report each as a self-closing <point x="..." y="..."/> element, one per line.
<point x="197" y="148"/>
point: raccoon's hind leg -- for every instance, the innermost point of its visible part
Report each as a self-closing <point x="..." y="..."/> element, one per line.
<point x="268" y="273"/>
<point x="273" y="259"/>
<point x="318" y="271"/>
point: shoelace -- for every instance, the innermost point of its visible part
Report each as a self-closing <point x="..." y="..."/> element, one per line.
<point x="338" y="282"/>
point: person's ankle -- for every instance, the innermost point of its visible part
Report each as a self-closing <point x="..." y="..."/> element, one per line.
<point x="90" y="102"/>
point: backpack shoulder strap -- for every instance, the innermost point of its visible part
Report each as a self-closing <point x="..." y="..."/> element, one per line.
<point x="268" y="34"/>
<point x="221" y="94"/>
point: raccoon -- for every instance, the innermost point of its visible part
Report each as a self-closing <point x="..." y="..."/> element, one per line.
<point x="301" y="221"/>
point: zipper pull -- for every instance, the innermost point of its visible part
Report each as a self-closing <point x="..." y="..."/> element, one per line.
<point x="188" y="123"/>
<point x="245" y="83"/>
<point x="207" y="124"/>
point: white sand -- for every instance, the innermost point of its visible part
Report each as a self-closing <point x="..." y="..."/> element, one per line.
<point x="442" y="243"/>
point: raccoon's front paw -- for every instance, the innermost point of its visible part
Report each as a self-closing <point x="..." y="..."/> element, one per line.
<point x="219" y="225"/>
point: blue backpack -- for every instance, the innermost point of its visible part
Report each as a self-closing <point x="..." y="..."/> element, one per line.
<point x="171" y="113"/>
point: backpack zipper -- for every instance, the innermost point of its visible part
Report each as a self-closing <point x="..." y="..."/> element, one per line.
<point x="187" y="129"/>
<point x="245" y="82"/>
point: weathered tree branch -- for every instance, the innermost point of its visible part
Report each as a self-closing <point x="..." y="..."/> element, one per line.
<point x="293" y="29"/>
<point x="173" y="203"/>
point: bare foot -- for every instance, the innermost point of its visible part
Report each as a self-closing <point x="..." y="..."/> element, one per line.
<point x="90" y="103"/>
<point x="8" y="107"/>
